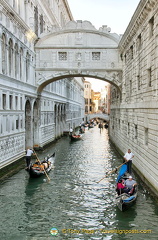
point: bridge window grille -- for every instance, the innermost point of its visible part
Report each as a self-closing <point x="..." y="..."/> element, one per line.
<point x="62" y="56"/>
<point x="96" y="56"/>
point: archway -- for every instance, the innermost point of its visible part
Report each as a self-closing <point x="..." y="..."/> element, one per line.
<point x="28" y="125"/>
<point x="35" y="126"/>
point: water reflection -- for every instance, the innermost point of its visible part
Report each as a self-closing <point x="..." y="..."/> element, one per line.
<point x="73" y="201"/>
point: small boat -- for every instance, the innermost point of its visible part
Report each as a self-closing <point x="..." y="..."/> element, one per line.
<point x="125" y="200"/>
<point x="39" y="169"/>
<point x="76" y="137"/>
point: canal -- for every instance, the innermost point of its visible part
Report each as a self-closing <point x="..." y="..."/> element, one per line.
<point x="72" y="204"/>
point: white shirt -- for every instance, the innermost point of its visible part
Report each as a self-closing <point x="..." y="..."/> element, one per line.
<point x="129" y="156"/>
<point x="29" y="152"/>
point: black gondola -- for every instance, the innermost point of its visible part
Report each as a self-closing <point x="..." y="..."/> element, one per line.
<point x="76" y="137"/>
<point x="39" y="169"/>
<point x="125" y="200"/>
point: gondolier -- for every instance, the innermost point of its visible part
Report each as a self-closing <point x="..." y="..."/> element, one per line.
<point x="128" y="158"/>
<point x="29" y="153"/>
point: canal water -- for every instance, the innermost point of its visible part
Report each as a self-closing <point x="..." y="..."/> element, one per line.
<point x="72" y="205"/>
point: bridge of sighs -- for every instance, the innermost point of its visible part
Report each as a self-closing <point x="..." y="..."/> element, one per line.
<point x="78" y="50"/>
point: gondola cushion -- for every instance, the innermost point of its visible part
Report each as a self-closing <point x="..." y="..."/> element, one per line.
<point x="129" y="199"/>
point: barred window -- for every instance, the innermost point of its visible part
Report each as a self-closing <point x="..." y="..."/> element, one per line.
<point x="62" y="56"/>
<point x="96" y="56"/>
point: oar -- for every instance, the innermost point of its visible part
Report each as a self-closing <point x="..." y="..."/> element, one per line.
<point x="110" y="172"/>
<point x="40" y="163"/>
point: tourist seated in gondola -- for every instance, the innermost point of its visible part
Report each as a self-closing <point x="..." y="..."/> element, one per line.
<point x="130" y="184"/>
<point x="120" y="187"/>
<point x="46" y="163"/>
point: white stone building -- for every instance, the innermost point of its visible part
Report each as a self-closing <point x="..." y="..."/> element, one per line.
<point x="134" y="119"/>
<point x="27" y="118"/>
<point x="88" y="97"/>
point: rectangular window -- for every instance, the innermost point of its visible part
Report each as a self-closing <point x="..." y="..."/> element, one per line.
<point x="139" y="42"/>
<point x="151" y="27"/>
<point x="136" y="131"/>
<point x="62" y="56"/>
<point x="16" y="102"/>
<point x="131" y="51"/>
<point x="96" y="56"/>
<point x="17" y="124"/>
<point x="21" y="103"/>
<point x="4" y="101"/>
<point x="130" y="83"/>
<point x="146" y="136"/>
<point x="138" y="81"/>
<point x="10" y="101"/>
<point x="149" y="77"/>
<point x="125" y="57"/>
<point x="86" y="100"/>
<point x="128" y="129"/>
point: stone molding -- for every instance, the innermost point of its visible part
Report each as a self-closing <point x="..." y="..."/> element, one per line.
<point x="141" y="13"/>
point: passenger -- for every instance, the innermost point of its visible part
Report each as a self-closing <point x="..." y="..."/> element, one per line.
<point x="130" y="184"/>
<point x="120" y="187"/>
<point x="45" y="165"/>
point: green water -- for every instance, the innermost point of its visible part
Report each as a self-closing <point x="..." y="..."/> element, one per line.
<point x="73" y="202"/>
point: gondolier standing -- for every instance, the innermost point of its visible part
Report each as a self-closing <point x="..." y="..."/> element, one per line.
<point x="71" y="131"/>
<point x="29" y="153"/>
<point x="128" y="158"/>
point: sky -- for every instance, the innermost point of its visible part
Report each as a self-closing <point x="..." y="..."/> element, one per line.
<point x="116" y="14"/>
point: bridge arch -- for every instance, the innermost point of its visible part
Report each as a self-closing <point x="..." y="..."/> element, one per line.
<point x="78" y="50"/>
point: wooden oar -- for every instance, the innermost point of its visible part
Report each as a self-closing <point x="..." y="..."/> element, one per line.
<point x="110" y="172"/>
<point x="40" y="163"/>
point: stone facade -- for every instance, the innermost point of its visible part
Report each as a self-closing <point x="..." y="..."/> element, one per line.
<point x="134" y="119"/>
<point x="89" y="106"/>
<point x="26" y="117"/>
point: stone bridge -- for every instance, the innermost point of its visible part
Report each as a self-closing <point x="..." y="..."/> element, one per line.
<point x="78" y="50"/>
<point x="102" y="116"/>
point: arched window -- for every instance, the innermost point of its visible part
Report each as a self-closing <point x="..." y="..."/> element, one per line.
<point x="27" y="66"/>
<point x="41" y="23"/>
<point x="10" y="56"/>
<point x="3" y="54"/>
<point x="21" y="63"/>
<point x="16" y="60"/>
<point x="36" y="20"/>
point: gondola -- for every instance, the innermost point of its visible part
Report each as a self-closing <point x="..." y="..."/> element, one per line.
<point x="76" y="137"/>
<point x="39" y="169"/>
<point x="125" y="200"/>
